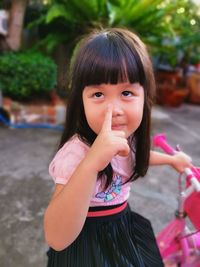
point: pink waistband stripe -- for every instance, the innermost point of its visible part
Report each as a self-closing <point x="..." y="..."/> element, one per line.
<point x="102" y="213"/>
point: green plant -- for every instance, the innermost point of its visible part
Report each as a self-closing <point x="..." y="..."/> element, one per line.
<point x="153" y="20"/>
<point x="26" y="74"/>
<point x="182" y="46"/>
<point x="169" y="28"/>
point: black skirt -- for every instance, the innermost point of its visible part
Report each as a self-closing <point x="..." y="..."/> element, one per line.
<point x="125" y="239"/>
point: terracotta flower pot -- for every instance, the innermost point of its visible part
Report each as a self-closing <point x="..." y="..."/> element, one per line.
<point x="172" y="97"/>
<point x="171" y="88"/>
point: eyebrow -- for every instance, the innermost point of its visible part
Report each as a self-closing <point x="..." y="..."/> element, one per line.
<point x="97" y="86"/>
<point x="94" y="87"/>
<point x="125" y="86"/>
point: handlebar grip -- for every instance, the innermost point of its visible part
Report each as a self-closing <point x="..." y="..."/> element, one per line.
<point x="159" y="140"/>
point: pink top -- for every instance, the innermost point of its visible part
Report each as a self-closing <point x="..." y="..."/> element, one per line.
<point x="70" y="155"/>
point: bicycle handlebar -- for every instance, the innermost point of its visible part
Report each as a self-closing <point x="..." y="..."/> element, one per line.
<point x="159" y="140"/>
<point x="192" y="173"/>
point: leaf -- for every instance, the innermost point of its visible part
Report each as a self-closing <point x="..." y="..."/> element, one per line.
<point x="57" y="11"/>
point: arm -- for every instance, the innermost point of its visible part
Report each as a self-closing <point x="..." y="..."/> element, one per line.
<point x="67" y="211"/>
<point x="179" y="161"/>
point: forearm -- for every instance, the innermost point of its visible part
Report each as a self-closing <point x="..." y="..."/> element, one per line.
<point x="179" y="161"/>
<point x="157" y="158"/>
<point x="66" y="213"/>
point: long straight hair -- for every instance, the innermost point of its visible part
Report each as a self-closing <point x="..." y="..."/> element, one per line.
<point x="111" y="56"/>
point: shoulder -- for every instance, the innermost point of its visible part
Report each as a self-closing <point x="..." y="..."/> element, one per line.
<point x="67" y="158"/>
<point x="74" y="142"/>
<point x="73" y="146"/>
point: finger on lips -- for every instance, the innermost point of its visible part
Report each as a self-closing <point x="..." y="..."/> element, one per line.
<point x="107" y="124"/>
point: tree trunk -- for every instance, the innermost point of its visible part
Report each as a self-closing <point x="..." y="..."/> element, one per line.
<point x="17" y="11"/>
<point x="62" y="58"/>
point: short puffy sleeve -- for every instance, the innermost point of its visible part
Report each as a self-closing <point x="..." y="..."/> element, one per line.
<point x="67" y="159"/>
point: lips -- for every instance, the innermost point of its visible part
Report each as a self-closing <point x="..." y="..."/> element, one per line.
<point x="118" y="126"/>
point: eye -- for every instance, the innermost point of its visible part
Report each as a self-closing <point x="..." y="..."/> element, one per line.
<point x="98" y="95"/>
<point x="127" y="93"/>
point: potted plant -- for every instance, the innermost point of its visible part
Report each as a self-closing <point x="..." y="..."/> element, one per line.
<point x="171" y="87"/>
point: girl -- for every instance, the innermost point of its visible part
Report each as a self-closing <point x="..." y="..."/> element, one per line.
<point x="104" y="148"/>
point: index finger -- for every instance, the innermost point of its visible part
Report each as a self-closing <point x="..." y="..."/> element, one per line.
<point x="107" y="123"/>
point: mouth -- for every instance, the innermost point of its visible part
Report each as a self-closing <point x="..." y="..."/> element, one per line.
<point x="118" y="126"/>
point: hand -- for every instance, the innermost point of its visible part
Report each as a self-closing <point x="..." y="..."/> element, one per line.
<point x="107" y="144"/>
<point x="180" y="161"/>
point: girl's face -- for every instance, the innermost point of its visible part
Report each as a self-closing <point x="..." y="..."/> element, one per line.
<point x="127" y="102"/>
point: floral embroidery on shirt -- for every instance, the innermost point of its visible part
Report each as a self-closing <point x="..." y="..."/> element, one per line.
<point x="113" y="190"/>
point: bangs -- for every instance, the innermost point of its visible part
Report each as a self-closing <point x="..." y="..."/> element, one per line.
<point x="109" y="59"/>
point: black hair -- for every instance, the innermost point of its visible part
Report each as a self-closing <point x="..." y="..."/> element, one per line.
<point x="111" y="56"/>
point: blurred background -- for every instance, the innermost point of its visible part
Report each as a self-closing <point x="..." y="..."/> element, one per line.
<point x="37" y="40"/>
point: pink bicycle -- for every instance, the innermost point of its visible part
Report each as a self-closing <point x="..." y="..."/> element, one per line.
<point x="180" y="246"/>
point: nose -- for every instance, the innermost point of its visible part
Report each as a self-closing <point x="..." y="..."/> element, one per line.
<point x="117" y="109"/>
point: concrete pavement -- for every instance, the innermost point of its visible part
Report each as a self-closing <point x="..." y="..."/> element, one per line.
<point x="26" y="185"/>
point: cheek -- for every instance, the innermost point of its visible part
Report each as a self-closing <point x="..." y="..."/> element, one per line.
<point x="94" y="114"/>
<point x="137" y="114"/>
<point x="136" y="118"/>
<point x="94" y="118"/>
<point x="95" y="122"/>
<point x="140" y="112"/>
<point x="141" y="106"/>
